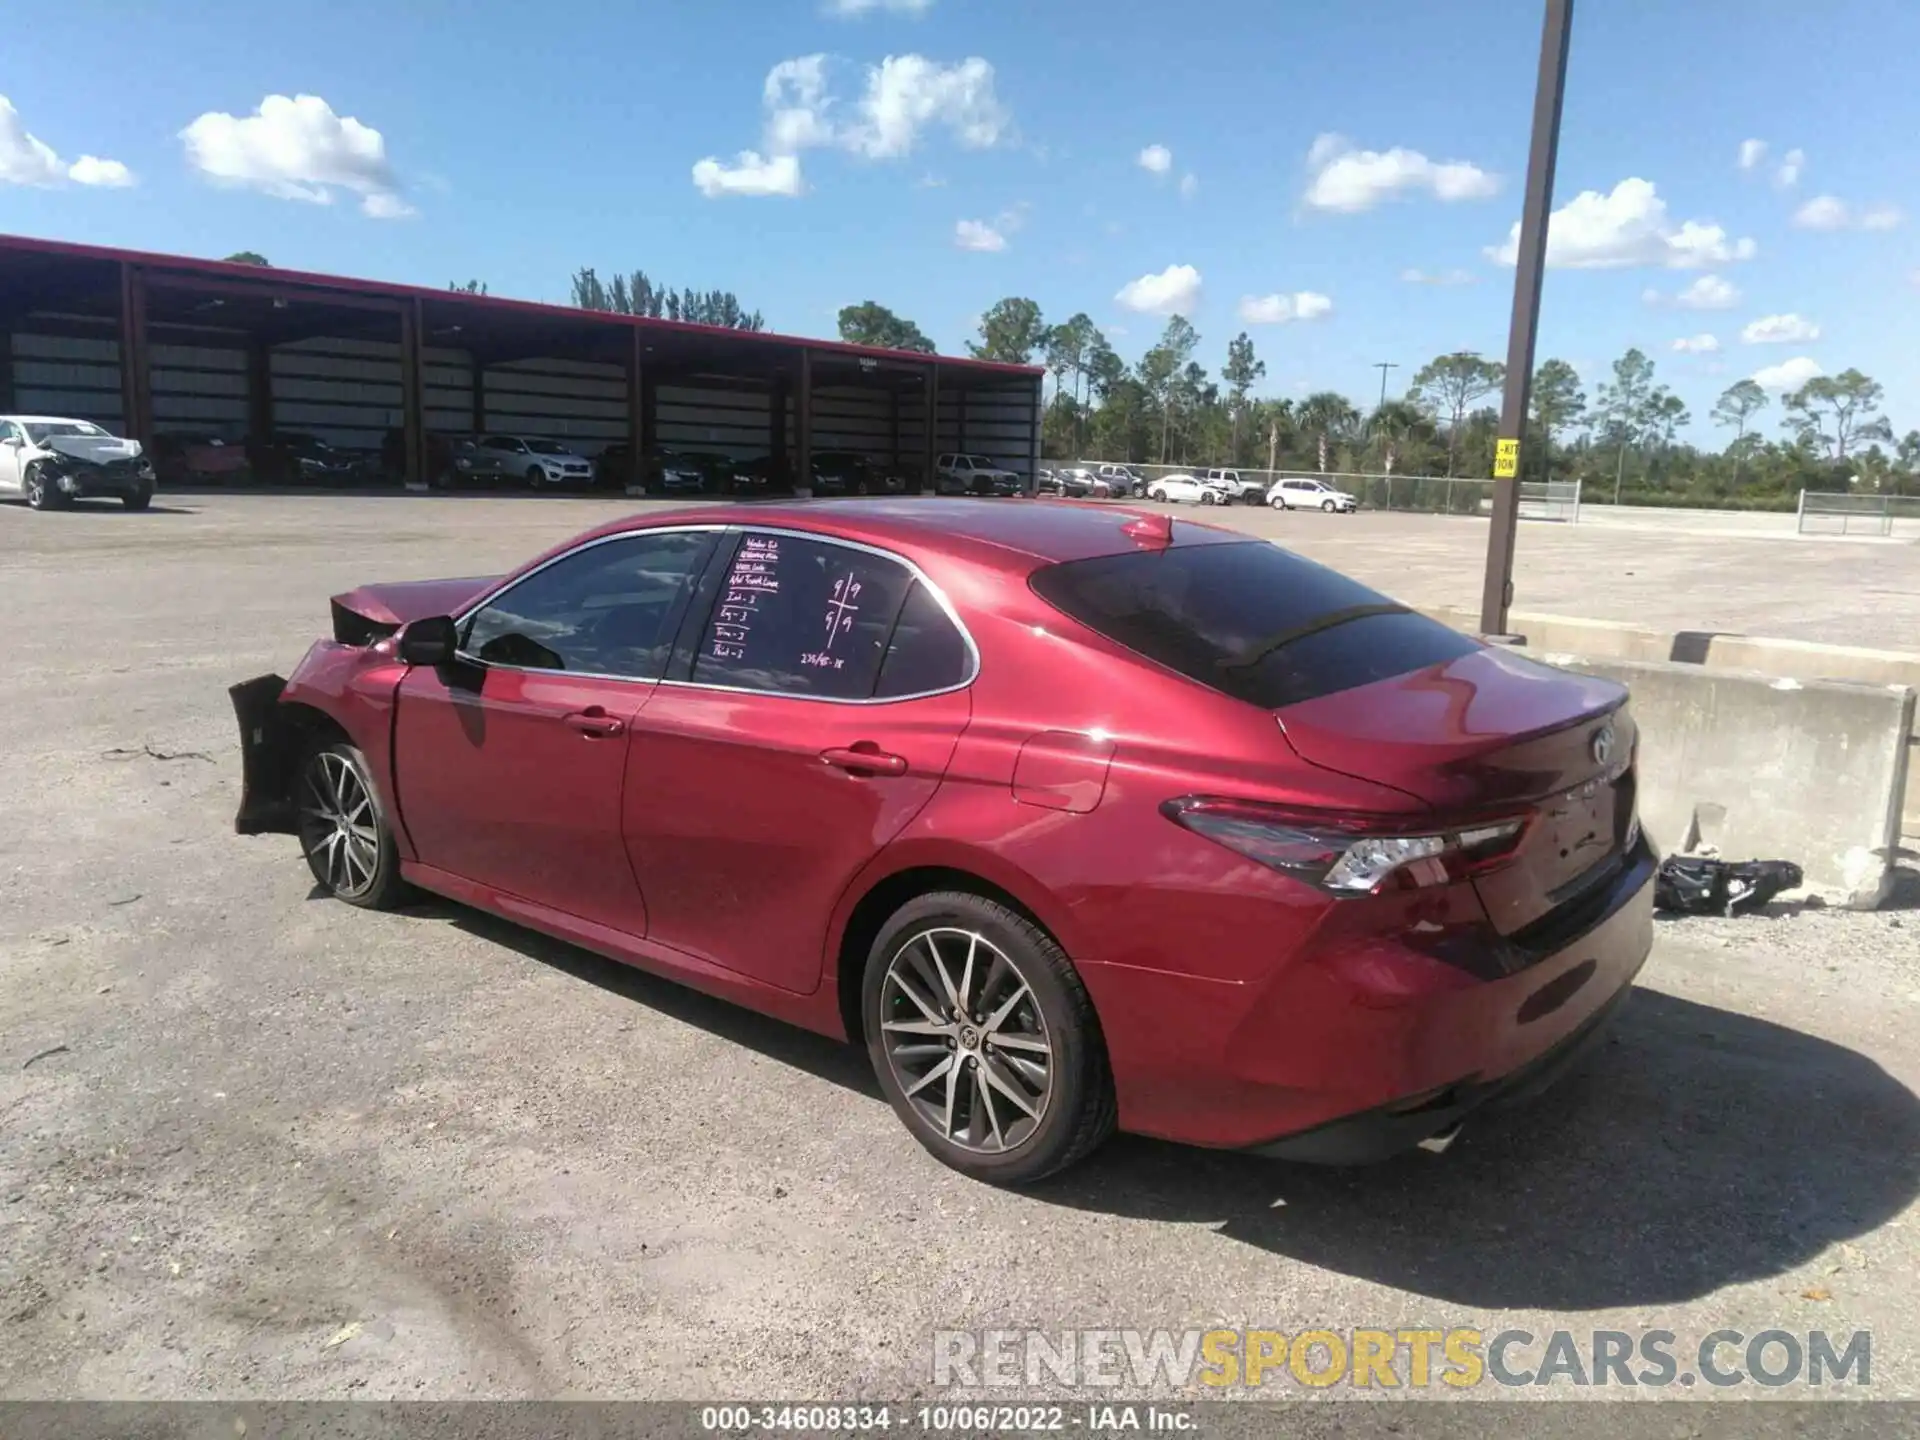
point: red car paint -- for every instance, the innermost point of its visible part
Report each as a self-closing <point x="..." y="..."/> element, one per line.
<point x="696" y="832"/>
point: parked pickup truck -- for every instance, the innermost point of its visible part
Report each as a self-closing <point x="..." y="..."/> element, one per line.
<point x="975" y="475"/>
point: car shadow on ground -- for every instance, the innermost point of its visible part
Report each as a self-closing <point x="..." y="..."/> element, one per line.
<point x="1697" y="1148"/>
<point x="817" y="1055"/>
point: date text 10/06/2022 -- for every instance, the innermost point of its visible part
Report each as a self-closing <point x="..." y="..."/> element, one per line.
<point x="944" y="1419"/>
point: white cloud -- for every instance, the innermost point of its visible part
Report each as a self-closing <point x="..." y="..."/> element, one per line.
<point x="1823" y="212"/>
<point x="1156" y="159"/>
<point x="751" y="174"/>
<point x="1752" y="152"/>
<point x="1189" y="185"/>
<point x="297" y="149"/>
<point x="1697" y="344"/>
<point x="1174" y="291"/>
<point x="1779" y="330"/>
<point x="1439" y="277"/>
<point x="1627" y="227"/>
<point x="26" y="159"/>
<point x="852" y="9"/>
<point x="904" y="95"/>
<point x="1788" y="374"/>
<point x="1830" y="212"/>
<point x="1709" y="292"/>
<point x="1791" y="164"/>
<point x="907" y="93"/>
<point x="1279" y="309"/>
<point x="92" y="170"/>
<point x="796" y="100"/>
<point x="1349" y="180"/>
<point x="978" y="235"/>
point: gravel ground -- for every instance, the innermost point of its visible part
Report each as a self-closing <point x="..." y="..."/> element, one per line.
<point x="258" y="1145"/>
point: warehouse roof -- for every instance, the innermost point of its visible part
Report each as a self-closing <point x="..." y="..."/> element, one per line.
<point x="38" y="275"/>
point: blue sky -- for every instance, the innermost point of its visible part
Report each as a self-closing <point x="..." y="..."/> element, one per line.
<point x="1333" y="150"/>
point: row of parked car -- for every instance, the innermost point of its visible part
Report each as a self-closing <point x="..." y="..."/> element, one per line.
<point x="1207" y="487"/>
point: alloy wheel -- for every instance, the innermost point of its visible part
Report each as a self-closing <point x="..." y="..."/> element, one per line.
<point x="965" y="1040"/>
<point x="338" y="827"/>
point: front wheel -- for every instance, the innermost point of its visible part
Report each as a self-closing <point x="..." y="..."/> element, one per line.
<point x="343" y="831"/>
<point x="1328" y="506"/>
<point x="535" y="475"/>
<point x="984" y="1040"/>
<point x="139" y="499"/>
<point x="42" y="493"/>
<point x="1206" y="497"/>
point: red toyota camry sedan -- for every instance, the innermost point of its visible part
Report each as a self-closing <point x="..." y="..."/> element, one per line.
<point x="1077" y="819"/>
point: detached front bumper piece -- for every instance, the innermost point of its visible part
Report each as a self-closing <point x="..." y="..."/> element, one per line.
<point x="269" y="749"/>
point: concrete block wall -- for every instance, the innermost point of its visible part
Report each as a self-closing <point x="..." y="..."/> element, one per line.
<point x="1769" y="768"/>
<point x="1549" y="637"/>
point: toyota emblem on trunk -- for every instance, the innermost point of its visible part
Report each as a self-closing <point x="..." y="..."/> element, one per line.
<point x="1603" y="745"/>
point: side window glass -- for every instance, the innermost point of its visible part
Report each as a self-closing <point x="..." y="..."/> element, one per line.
<point x="802" y="617"/>
<point x="927" y="651"/>
<point x="609" y="609"/>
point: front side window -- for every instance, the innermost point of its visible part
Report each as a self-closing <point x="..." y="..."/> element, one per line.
<point x="607" y="609"/>
<point x="802" y="617"/>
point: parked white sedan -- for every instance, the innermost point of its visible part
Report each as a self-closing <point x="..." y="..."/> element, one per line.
<point x="1309" y="495"/>
<point x="1185" y="489"/>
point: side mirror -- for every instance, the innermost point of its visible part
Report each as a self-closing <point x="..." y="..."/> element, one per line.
<point x="431" y="641"/>
<point x="12" y="442"/>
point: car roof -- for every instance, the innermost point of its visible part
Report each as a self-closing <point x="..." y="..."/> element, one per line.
<point x="1009" y="533"/>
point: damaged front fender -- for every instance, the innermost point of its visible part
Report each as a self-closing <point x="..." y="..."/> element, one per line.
<point x="270" y="747"/>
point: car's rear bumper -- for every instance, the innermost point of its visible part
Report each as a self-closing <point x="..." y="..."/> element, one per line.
<point x="1374" y="1031"/>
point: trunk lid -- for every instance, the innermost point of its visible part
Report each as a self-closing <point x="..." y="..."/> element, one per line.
<point x="1491" y="733"/>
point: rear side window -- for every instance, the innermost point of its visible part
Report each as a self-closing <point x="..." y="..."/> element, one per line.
<point x="802" y="617"/>
<point x="1249" y="620"/>
<point x="927" y="652"/>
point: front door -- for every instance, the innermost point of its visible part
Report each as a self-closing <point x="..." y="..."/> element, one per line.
<point x="12" y="438"/>
<point x="816" y="717"/>
<point x="510" y="761"/>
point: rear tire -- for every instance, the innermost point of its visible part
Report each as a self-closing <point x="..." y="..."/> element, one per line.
<point x="344" y="831"/>
<point x="1159" y="496"/>
<point x="1010" y="1083"/>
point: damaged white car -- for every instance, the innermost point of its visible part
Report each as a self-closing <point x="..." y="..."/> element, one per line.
<point x="50" y="462"/>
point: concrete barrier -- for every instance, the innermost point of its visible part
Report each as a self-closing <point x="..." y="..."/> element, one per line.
<point x="1770" y="768"/>
<point x="1549" y="635"/>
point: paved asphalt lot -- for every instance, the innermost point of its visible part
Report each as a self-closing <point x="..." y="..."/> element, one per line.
<point x="253" y="1143"/>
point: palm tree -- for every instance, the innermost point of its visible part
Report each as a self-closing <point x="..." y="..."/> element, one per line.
<point x="1328" y="416"/>
<point x="1394" y="427"/>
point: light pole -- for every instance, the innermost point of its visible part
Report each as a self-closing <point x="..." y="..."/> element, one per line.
<point x="1496" y="594"/>
<point x="1383" y="366"/>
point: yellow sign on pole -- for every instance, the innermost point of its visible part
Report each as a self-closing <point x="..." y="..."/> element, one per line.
<point x="1506" y="459"/>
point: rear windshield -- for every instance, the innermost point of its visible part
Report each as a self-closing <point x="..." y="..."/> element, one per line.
<point x="1250" y="620"/>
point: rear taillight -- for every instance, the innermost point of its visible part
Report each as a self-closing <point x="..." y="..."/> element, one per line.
<point x="1348" y="854"/>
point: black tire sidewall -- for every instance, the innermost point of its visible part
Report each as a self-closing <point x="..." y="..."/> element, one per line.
<point x="1079" y="1063"/>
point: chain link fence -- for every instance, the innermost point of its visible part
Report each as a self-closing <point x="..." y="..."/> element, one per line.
<point x="1822" y="512"/>
<point x="1429" y="494"/>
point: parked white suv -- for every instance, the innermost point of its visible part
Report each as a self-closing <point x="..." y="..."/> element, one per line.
<point x="1233" y="486"/>
<point x="542" y="462"/>
<point x="50" y="462"/>
<point x="1310" y="495"/>
<point x="975" y="475"/>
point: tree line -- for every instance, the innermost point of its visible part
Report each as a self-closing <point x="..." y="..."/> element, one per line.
<point x="637" y="294"/>
<point x="1620" y="441"/>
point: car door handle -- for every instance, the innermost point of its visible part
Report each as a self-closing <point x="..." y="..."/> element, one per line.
<point x="865" y="758"/>
<point x="594" y="722"/>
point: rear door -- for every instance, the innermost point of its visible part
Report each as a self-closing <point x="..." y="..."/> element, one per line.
<point x="509" y="762"/>
<point x="12" y="439"/>
<point x="805" y="721"/>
